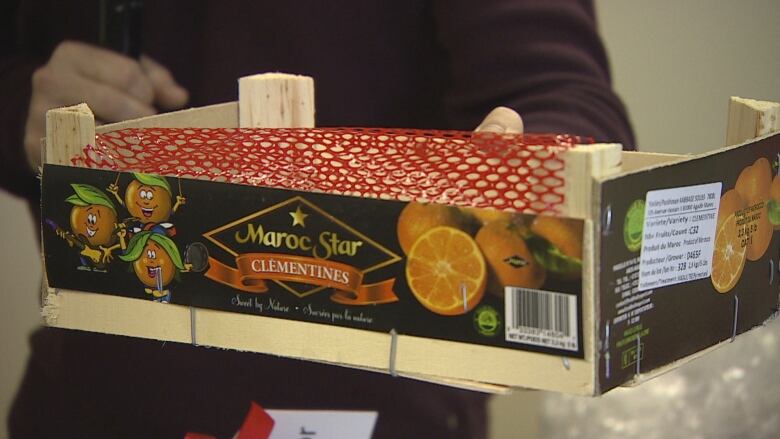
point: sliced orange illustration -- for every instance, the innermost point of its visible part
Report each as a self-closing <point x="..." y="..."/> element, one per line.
<point x="729" y="256"/>
<point x="444" y="267"/>
<point x="730" y="203"/>
<point x="418" y="218"/>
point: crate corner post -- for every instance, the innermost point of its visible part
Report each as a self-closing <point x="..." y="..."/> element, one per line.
<point x="68" y="131"/>
<point x="276" y="100"/>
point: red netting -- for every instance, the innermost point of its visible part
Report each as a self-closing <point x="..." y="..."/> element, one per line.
<point x="503" y="171"/>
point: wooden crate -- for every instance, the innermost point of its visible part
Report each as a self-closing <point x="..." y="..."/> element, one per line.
<point x="600" y="183"/>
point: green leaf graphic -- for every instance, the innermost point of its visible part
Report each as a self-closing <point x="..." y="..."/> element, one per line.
<point x="135" y="247"/>
<point x="774" y="212"/>
<point x="170" y="248"/>
<point x="87" y="194"/>
<point x="138" y="242"/>
<point x="76" y="201"/>
<point x="551" y="257"/>
<point x="153" y="180"/>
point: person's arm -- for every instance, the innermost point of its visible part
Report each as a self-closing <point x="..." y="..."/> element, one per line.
<point x="115" y="87"/>
<point x="544" y="59"/>
<point x="48" y="62"/>
<point x="16" y="68"/>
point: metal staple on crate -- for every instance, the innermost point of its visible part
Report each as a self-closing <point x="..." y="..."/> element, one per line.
<point x="393" y="351"/>
<point x="607" y="356"/>
<point x="464" y="293"/>
<point x="638" y="357"/>
<point x="736" y="318"/>
<point x="192" y="326"/>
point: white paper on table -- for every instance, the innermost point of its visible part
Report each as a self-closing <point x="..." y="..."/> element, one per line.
<point x="322" y="424"/>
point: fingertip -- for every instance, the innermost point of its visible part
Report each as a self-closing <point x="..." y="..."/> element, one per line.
<point x="142" y="90"/>
<point x="139" y="111"/>
<point x="173" y="97"/>
<point x="502" y="120"/>
<point x="127" y="109"/>
<point x="168" y="93"/>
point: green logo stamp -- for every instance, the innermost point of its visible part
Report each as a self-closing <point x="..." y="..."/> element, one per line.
<point x="487" y="321"/>
<point x="633" y="225"/>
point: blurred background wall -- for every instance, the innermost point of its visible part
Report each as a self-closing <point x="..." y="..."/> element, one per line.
<point x="19" y="282"/>
<point x="675" y="63"/>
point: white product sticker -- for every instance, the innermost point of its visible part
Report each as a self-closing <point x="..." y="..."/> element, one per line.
<point x="322" y="424"/>
<point x="678" y="235"/>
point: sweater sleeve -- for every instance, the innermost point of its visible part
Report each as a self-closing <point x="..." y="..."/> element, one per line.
<point x="16" y="70"/>
<point x="544" y="59"/>
<point x="30" y="30"/>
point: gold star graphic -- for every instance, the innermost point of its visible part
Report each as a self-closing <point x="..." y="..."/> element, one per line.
<point x="298" y="217"/>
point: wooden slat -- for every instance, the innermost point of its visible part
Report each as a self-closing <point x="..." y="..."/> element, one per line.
<point x="584" y="164"/>
<point x="475" y="366"/>
<point x="68" y="130"/>
<point x="635" y="160"/>
<point x="211" y="116"/>
<point x="749" y="118"/>
<point x="276" y="100"/>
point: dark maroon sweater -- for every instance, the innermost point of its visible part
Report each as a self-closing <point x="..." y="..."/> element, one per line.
<point x="406" y="63"/>
<point x="428" y="64"/>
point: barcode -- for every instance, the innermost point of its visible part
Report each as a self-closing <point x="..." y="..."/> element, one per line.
<point x="541" y="318"/>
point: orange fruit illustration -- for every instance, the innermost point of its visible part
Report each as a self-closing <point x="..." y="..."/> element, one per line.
<point x="754" y="181"/>
<point x="484" y="216"/>
<point x="417" y="218"/>
<point x="728" y="258"/>
<point x="564" y="233"/>
<point x="154" y="262"/>
<point x="730" y="203"/>
<point x="753" y="186"/>
<point x="510" y="261"/>
<point x="94" y="222"/>
<point x="761" y="237"/>
<point x="446" y="271"/>
<point x="148" y="203"/>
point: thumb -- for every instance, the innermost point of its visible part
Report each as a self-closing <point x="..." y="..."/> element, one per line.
<point x="502" y="120"/>
<point x="168" y="94"/>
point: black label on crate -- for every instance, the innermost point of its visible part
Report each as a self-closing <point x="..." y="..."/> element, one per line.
<point x="468" y="275"/>
<point x="689" y="258"/>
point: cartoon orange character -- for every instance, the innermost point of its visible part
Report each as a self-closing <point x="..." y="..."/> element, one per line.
<point x="94" y="228"/>
<point x="156" y="262"/>
<point x="148" y="198"/>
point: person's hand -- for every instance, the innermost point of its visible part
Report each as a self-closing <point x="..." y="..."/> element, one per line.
<point x="501" y="120"/>
<point x="114" y="86"/>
